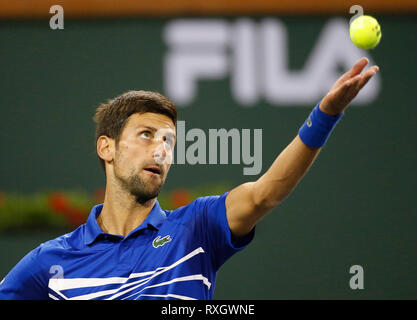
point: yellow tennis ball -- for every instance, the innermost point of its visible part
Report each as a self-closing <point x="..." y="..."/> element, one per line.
<point x="365" y="32"/>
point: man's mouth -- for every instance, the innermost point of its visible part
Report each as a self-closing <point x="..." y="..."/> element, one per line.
<point x="153" y="170"/>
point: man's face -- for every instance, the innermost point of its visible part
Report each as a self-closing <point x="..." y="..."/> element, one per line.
<point x="144" y="154"/>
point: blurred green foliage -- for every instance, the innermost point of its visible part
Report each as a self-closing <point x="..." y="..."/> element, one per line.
<point x="65" y="209"/>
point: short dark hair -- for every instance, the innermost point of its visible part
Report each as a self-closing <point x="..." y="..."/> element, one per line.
<point x="111" y="117"/>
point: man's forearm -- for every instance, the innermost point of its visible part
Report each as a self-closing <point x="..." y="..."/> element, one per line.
<point x="248" y="203"/>
<point x="284" y="174"/>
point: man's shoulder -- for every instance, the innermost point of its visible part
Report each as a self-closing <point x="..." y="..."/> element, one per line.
<point x="37" y="262"/>
<point x="199" y="205"/>
<point x="68" y="241"/>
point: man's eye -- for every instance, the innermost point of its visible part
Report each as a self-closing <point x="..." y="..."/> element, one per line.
<point x="169" y="141"/>
<point x="146" y="134"/>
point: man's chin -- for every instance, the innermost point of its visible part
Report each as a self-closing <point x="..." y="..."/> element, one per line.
<point x="143" y="187"/>
<point x="143" y="196"/>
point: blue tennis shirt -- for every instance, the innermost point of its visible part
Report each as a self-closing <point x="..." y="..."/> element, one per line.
<point x="173" y="254"/>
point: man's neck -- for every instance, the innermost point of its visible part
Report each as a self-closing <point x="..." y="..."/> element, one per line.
<point x="122" y="213"/>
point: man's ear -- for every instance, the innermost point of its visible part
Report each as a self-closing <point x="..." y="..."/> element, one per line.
<point x="105" y="148"/>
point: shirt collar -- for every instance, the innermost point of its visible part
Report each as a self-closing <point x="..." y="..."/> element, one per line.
<point x="155" y="219"/>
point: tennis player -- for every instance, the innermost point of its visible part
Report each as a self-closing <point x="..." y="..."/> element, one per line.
<point x="130" y="248"/>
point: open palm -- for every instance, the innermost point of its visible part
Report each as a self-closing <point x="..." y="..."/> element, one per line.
<point x="347" y="87"/>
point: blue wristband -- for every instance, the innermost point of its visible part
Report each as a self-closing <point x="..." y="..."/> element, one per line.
<point x="317" y="128"/>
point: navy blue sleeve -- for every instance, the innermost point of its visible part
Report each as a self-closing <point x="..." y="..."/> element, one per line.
<point x="217" y="231"/>
<point x="25" y="281"/>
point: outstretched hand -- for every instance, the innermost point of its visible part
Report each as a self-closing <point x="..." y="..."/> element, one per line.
<point x="347" y="87"/>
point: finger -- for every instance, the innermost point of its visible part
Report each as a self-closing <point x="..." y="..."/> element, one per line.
<point x="355" y="84"/>
<point x="351" y="83"/>
<point x="356" y="69"/>
<point x="366" y="76"/>
<point x="342" y="91"/>
<point x="345" y="92"/>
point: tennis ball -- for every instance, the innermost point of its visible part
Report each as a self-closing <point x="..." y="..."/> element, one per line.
<point x="365" y="32"/>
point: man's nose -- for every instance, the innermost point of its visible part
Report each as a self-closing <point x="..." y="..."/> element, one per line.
<point x="160" y="152"/>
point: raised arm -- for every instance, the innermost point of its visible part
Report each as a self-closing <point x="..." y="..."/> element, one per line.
<point x="249" y="202"/>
